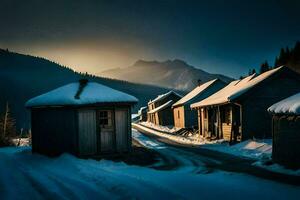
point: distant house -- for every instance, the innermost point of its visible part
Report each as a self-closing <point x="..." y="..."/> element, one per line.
<point x="83" y="118"/>
<point x="160" y="109"/>
<point x="142" y="114"/>
<point x="286" y="131"/>
<point x="184" y="117"/>
<point x="239" y="110"/>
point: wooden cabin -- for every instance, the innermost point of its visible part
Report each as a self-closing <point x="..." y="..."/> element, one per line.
<point x="184" y="116"/>
<point x="160" y="109"/>
<point x="286" y="131"/>
<point x="239" y="110"/>
<point x="143" y="114"/>
<point x="82" y="118"/>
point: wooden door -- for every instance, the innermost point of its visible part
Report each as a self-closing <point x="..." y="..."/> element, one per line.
<point x="121" y="121"/>
<point x="87" y="135"/>
<point x="107" y="132"/>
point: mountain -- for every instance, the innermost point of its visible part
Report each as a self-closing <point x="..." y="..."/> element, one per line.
<point x="23" y="77"/>
<point x="175" y="74"/>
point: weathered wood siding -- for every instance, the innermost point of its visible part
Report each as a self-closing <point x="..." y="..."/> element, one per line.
<point x="179" y="116"/>
<point x="256" y="121"/>
<point x="286" y="140"/>
<point x="121" y="123"/>
<point x="54" y="131"/>
<point x="226" y="128"/>
<point x="87" y="133"/>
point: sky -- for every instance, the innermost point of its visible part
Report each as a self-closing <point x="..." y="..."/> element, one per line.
<point x="226" y="37"/>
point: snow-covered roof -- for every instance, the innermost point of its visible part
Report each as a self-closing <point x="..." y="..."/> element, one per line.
<point x="159" y="108"/>
<point x="199" y="89"/>
<point x="142" y="109"/>
<point x="290" y="105"/>
<point x="235" y="89"/>
<point x="162" y="96"/>
<point x="91" y="93"/>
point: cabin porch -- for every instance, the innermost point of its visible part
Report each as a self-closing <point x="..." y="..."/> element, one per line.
<point x="220" y="122"/>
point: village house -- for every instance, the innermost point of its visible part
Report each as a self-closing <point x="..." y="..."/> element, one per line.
<point x="286" y="131"/>
<point x="184" y="116"/>
<point x="142" y="113"/>
<point x="82" y="118"/>
<point x="239" y="110"/>
<point x="160" y="109"/>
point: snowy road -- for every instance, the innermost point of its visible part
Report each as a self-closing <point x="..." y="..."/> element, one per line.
<point x="28" y="176"/>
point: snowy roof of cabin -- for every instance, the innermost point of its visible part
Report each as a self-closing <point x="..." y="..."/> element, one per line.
<point x="142" y="109"/>
<point x="162" y="96"/>
<point x="290" y="105"/>
<point x="159" y="108"/>
<point x="235" y="89"/>
<point x="92" y="93"/>
<point x="198" y="90"/>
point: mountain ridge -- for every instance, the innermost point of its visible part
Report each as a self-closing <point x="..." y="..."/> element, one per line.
<point x="175" y="74"/>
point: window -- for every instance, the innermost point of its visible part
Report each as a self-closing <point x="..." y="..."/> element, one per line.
<point x="105" y="118"/>
<point x="178" y="114"/>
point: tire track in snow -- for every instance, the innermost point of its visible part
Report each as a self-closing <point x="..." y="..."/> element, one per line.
<point x="174" y="158"/>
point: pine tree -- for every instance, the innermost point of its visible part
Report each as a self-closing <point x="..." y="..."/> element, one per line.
<point x="7" y="126"/>
<point x="251" y="72"/>
<point x="264" y="67"/>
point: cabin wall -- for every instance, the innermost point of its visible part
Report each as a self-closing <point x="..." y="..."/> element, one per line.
<point x="256" y="120"/>
<point x="286" y="140"/>
<point x="87" y="132"/>
<point x="165" y="117"/>
<point x="54" y="131"/>
<point x="123" y="129"/>
<point x="179" y="117"/>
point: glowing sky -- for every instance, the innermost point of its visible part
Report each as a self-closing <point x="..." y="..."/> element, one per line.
<point x="227" y="37"/>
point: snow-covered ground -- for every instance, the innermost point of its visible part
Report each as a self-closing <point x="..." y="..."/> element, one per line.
<point x="30" y="176"/>
<point x="160" y="128"/>
<point x="259" y="150"/>
<point x="167" y="133"/>
<point x="256" y="149"/>
<point x="21" y="142"/>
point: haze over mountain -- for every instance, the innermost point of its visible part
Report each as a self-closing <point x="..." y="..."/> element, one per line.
<point x="171" y="74"/>
<point x="23" y="77"/>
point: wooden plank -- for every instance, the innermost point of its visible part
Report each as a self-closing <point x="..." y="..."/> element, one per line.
<point x="87" y="132"/>
<point x="121" y="119"/>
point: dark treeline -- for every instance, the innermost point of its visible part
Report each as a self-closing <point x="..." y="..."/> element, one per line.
<point x="289" y="57"/>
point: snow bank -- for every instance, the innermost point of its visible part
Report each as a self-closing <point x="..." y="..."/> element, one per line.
<point x="264" y="163"/>
<point x="160" y="128"/>
<point x="192" y="140"/>
<point x="21" y="142"/>
<point x="255" y="149"/>
<point x="289" y="105"/>
<point x="92" y="93"/>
